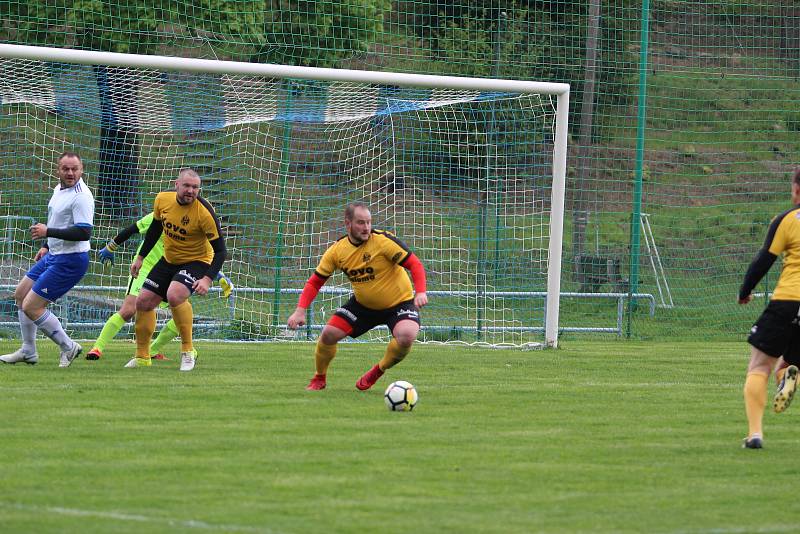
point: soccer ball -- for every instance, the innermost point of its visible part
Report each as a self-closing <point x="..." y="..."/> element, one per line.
<point x="401" y="396"/>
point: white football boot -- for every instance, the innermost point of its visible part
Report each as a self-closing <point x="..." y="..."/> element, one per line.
<point x="188" y="360"/>
<point x="20" y="356"/>
<point x="68" y="356"/>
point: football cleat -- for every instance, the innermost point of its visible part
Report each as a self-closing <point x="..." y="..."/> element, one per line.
<point x="317" y="383"/>
<point x="754" y="442"/>
<point x="786" y="389"/>
<point x="159" y="357"/>
<point x="138" y="362"/>
<point x="369" y="378"/>
<point x="68" y="356"/>
<point x="20" y="356"/>
<point x="94" y="354"/>
<point x="188" y="359"/>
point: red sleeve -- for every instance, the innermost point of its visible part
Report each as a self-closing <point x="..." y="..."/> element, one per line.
<point x="413" y="264"/>
<point x="312" y="287"/>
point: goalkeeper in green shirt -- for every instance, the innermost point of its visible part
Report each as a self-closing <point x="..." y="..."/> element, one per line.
<point x="115" y="323"/>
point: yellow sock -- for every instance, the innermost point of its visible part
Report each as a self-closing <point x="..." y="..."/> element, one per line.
<point x="183" y="316"/>
<point x="323" y="355"/>
<point x="145" y="326"/>
<point x="394" y="354"/>
<point x="755" y="399"/>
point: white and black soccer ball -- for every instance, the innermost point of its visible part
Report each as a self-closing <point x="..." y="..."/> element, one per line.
<point x="401" y="396"/>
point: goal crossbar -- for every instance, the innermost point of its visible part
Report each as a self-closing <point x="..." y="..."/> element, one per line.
<point x="213" y="66"/>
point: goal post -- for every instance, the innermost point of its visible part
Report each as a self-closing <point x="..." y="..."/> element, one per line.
<point x="452" y="164"/>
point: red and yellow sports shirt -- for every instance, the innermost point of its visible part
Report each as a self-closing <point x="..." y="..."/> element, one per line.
<point x="373" y="268"/>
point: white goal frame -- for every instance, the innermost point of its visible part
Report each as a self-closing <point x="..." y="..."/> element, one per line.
<point x="559" y="90"/>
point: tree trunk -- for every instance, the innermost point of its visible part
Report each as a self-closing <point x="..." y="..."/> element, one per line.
<point x="118" y="176"/>
<point x="580" y="211"/>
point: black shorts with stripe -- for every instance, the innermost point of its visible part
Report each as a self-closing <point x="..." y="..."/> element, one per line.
<point x="364" y="319"/>
<point x="777" y="331"/>
<point x="164" y="273"/>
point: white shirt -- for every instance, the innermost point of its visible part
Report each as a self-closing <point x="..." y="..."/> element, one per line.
<point x="69" y="207"/>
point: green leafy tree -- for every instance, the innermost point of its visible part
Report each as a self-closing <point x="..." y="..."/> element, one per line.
<point x="135" y="26"/>
<point x="320" y="33"/>
<point x="529" y="39"/>
<point x="216" y="28"/>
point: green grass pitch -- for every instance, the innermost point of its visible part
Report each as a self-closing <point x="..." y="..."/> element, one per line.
<point x="592" y="437"/>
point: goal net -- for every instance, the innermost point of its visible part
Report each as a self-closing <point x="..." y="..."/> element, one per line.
<point x="462" y="170"/>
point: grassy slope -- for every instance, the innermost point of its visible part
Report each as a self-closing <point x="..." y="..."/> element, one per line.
<point x="718" y="155"/>
<point x="592" y="437"/>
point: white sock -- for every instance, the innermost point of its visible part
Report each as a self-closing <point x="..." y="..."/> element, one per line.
<point x="51" y="326"/>
<point x="28" y="329"/>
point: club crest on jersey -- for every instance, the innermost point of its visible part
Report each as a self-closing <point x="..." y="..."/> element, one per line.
<point x="367" y="256"/>
<point x="185" y="220"/>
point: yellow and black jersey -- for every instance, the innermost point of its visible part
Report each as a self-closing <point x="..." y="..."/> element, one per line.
<point x="373" y="268"/>
<point x="783" y="237"/>
<point x="187" y="229"/>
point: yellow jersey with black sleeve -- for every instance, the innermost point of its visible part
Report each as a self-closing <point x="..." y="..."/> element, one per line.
<point x="373" y="268"/>
<point x="784" y="238"/>
<point x="187" y="229"/>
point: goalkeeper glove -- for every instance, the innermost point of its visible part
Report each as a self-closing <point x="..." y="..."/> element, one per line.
<point x="225" y="284"/>
<point x="107" y="253"/>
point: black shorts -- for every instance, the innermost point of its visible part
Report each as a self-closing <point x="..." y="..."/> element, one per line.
<point x="777" y="332"/>
<point x="364" y="319"/>
<point x="164" y="273"/>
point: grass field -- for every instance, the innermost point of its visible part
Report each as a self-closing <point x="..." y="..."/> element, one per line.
<point x="592" y="437"/>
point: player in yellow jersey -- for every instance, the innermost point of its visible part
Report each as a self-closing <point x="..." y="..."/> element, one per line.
<point x="128" y="309"/>
<point x="194" y="250"/>
<point x="777" y="332"/>
<point x="374" y="262"/>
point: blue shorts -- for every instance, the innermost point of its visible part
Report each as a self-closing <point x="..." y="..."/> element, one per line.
<point x="55" y="274"/>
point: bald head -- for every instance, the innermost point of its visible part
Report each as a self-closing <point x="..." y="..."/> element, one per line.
<point x="187" y="186"/>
